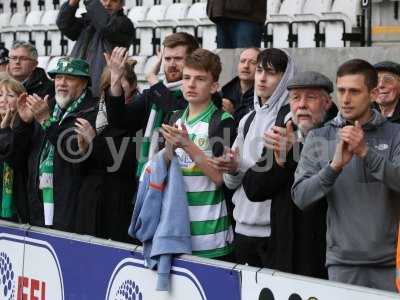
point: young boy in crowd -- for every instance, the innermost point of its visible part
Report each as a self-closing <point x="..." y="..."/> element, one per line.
<point x="191" y="138"/>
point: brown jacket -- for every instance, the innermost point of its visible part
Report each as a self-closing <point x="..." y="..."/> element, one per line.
<point x="248" y="10"/>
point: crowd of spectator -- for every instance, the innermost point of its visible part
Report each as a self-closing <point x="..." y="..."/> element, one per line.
<point x="271" y="171"/>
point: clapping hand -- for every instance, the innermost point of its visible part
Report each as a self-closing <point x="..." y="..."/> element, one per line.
<point x="85" y="132"/>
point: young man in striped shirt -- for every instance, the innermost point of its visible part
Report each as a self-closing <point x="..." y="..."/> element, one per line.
<point x="189" y="139"/>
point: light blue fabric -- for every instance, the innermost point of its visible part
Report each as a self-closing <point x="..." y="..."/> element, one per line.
<point x="160" y="219"/>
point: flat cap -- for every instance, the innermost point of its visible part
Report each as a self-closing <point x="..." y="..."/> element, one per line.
<point x="388" y="66"/>
<point x="310" y="79"/>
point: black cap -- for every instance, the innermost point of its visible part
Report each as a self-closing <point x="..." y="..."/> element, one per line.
<point x="388" y="66"/>
<point x="311" y="79"/>
<point x="3" y="55"/>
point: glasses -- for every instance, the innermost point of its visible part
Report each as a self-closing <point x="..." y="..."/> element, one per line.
<point x="387" y="79"/>
<point x="19" y="58"/>
<point x="308" y="99"/>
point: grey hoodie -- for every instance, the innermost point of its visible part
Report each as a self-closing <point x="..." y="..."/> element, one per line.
<point x="363" y="199"/>
<point x="253" y="218"/>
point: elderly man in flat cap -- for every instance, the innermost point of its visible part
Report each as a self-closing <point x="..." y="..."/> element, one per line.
<point x="55" y="162"/>
<point x="297" y="242"/>
<point x="388" y="94"/>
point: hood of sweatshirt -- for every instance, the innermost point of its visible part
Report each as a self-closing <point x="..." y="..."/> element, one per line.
<point x="375" y="121"/>
<point x="265" y="117"/>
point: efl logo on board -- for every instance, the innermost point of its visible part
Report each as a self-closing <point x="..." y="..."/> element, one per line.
<point x="31" y="289"/>
<point x="29" y="270"/>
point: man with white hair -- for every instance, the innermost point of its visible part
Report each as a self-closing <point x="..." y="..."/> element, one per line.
<point x="297" y="241"/>
<point x="55" y="160"/>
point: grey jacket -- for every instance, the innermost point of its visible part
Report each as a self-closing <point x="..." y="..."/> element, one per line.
<point x="363" y="199"/>
<point x="95" y="33"/>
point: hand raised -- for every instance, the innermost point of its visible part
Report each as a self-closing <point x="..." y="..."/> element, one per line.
<point x="116" y="61"/>
<point x="280" y="140"/>
<point x="86" y="133"/>
<point x="8" y="119"/>
<point x="228" y="163"/>
<point x="354" y="136"/>
<point x="23" y="109"/>
<point x="39" y="107"/>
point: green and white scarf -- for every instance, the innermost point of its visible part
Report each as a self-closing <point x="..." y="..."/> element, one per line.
<point x="150" y="140"/>
<point x="7" y="204"/>
<point x="46" y="167"/>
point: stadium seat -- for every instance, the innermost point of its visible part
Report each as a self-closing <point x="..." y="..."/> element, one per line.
<point x="5" y="18"/>
<point x="139" y="68"/>
<point x="137" y="13"/>
<point x="174" y="12"/>
<point x="198" y="24"/>
<point x="5" y="6"/>
<point x="43" y="61"/>
<point x="150" y="62"/>
<point x="19" y="5"/>
<point x="48" y="38"/>
<point x="148" y="3"/>
<point x="34" y="5"/>
<point x="12" y="4"/>
<point x="192" y="20"/>
<point x="273" y="7"/>
<point x="279" y="25"/>
<point x="24" y="33"/>
<point x="53" y="4"/>
<point x="146" y="30"/>
<point x="305" y="24"/>
<point x="340" y="25"/>
<point x="8" y="33"/>
<point x="129" y="5"/>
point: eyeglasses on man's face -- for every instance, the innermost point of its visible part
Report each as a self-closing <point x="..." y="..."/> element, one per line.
<point x="387" y="79"/>
<point x="20" y="58"/>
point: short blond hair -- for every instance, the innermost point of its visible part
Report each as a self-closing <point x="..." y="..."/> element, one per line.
<point x="11" y="84"/>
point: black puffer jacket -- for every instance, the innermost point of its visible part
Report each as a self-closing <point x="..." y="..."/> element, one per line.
<point x="254" y="10"/>
<point x="38" y="83"/>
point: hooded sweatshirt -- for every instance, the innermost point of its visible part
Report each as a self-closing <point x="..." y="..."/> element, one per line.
<point x="363" y="198"/>
<point x="253" y="219"/>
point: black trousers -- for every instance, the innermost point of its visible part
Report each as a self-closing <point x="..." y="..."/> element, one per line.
<point x="252" y="251"/>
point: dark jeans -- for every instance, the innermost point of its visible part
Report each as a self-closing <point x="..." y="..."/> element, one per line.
<point x="252" y="251"/>
<point x="238" y="34"/>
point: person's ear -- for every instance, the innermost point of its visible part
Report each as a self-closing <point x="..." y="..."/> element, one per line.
<point x="373" y="94"/>
<point x="214" y="87"/>
<point x="328" y="103"/>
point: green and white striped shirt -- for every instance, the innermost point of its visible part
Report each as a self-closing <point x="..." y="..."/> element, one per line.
<point x="211" y="229"/>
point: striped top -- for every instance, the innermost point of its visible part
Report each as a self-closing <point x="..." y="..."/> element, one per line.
<point x="211" y="229"/>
